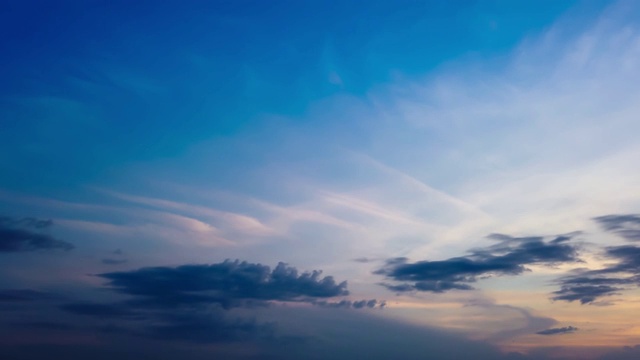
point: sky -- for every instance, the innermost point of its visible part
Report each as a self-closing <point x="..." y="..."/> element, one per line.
<point x="319" y="179"/>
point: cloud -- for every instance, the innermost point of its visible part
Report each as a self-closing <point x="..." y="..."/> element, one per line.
<point x="584" y="293"/>
<point x="558" y="331"/>
<point x="197" y="303"/>
<point x="229" y="284"/>
<point x="627" y="226"/>
<point x="28" y="222"/>
<point x="16" y="235"/>
<point x="355" y="304"/>
<point x="587" y="286"/>
<point x="508" y="257"/>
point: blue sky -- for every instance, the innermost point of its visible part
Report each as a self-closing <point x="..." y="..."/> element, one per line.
<point x="466" y="167"/>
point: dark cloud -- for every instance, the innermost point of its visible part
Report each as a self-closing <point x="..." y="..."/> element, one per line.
<point x="195" y="303"/>
<point x="117" y="258"/>
<point x="587" y="286"/>
<point x="27" y="222"/>
<point x="626" y="226"/>
<point x="25" y="234"/>
<point x="229" y="284"/>
<point x="508" y="257"/>
<point x="584" y="293"/>
<point x="558" y="331"/>
<point x="347" y="304"/>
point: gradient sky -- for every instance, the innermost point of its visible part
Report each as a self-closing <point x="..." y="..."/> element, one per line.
<point x="319" y="179"/>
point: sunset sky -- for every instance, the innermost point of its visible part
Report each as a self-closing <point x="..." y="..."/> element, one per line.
<point x="307" y="179"/>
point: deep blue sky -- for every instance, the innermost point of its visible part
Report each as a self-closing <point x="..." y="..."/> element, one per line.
<point x="155" y="77"/>
<point x="467" y="167"/>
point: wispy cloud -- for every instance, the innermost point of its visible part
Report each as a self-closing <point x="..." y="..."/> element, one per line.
<point x="17" y="235"/>
<point x="508" y="257"/>
<point x="558" y="331"/>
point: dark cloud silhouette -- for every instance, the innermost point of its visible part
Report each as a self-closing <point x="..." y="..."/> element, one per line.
<point x="587" y="286"/>
<point x="508" y="257"/>
<point x="346" y="304"/>
<point x="117" y="258"/>
<point x="584" y="293"/>
<point x="558" y="331"/>
<point x="230" y="283"/>
<point x="24" y="234"/>
<point x="626" y="226"/>
<point x="28" y="222"/>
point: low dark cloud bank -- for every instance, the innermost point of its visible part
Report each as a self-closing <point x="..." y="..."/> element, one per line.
<point x="558" y="331"/>
<point x="509" y="256"/>
<point x="197" y="303"/>
<point x="27" y="234"/>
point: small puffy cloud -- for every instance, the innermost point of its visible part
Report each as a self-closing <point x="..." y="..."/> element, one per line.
<point x="17" y="235"/>
<point x="558" y="331"/>
<point x="508" y="257"/>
